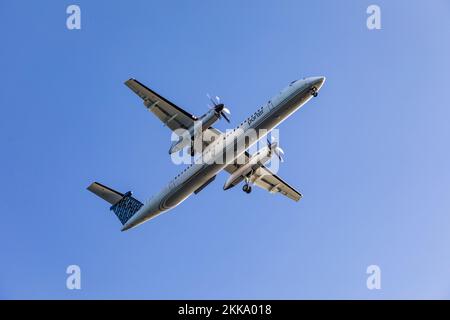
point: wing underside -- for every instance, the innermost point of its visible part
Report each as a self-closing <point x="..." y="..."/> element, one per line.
<point x="169" y="113"/>
<point x="266" y="179"/>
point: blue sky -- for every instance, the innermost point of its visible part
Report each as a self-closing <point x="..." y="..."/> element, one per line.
<point x="370" y="154"/>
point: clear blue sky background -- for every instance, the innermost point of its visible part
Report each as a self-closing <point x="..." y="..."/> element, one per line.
<point x="370" y="154"/>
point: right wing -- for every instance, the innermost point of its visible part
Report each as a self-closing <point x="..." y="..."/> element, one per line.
<point x="170" y="114"/>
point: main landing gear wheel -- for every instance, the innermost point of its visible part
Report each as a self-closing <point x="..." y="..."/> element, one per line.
<point x="246" y="188"/>
<point x="314" y="92"/>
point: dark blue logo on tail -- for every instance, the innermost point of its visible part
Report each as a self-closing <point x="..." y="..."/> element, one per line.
<point x="126" y="207"/>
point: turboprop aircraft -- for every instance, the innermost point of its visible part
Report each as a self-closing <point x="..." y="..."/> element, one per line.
<point x="217" y="150"/>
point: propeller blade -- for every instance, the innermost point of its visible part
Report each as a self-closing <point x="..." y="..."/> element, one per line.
<point x="211" y="99"/>
<point x="225" y="117"/>
<point x="278" y="151"/>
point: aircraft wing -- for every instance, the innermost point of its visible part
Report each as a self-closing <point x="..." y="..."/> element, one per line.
<point x="170" y="114"/>
<point x="266" y="179"/>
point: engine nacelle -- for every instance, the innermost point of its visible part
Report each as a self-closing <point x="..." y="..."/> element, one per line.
<point x="254" y="163"/>
<point x="197" y="129"/>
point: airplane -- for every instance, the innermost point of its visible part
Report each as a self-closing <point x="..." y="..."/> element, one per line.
<point x="240" y="165"/>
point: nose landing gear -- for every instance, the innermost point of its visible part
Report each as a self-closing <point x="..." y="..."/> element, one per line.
<point x="314" y="92"/>
<point x="247" y="188"/>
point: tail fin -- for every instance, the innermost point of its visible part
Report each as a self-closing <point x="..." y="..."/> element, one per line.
<point x="124" y="206"/>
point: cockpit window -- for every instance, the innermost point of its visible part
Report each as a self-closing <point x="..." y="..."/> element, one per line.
<point x="293" y="82"/>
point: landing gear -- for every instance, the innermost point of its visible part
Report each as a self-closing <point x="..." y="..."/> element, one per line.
<point x="314" y="92"/>
<point x="247" y="188"/>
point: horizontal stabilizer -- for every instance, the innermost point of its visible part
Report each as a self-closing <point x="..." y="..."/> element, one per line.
<point x="106" y="193"/>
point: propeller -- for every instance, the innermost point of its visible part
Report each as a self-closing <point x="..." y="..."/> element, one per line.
<point x="276" y="149"/>
<point x="219" y="108"/>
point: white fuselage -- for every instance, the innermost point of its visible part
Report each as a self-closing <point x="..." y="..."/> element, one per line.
<point x="233" y="142"/>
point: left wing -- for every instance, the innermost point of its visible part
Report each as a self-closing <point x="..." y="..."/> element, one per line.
<point x="265" y="179"/>
<point x="170" y="114"/>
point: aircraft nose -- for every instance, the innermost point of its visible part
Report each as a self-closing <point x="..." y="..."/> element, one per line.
<point x="317" y="81"/>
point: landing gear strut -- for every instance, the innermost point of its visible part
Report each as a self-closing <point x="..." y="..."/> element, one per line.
<point x="314" y="92"/>
<point x="192" y="148"/>
<point x="247" y="188"/>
